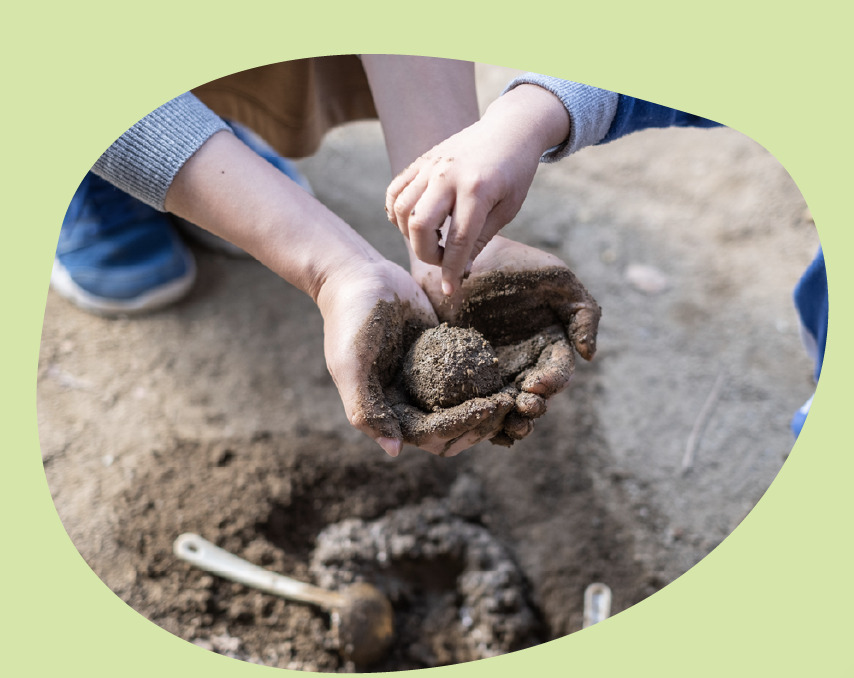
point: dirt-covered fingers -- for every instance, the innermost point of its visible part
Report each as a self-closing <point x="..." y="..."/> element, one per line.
<point x="552" y="372"/>
<point x="365" y="336"/>
<point x="517" y="426"/>
<point x="366" y="407"/>
<point x="359" y="385"/>
<point x="531" y="405"/>
<point x="396" y="187"/>
<point x="447" y="432"/>
<point x="519" y="423"/>
<point x="381" y="425"/>
<point x="464" y="442"/>
<point x="584" y="328"/>
<point x="581" y="317"/>
<point x="487" y="428"/>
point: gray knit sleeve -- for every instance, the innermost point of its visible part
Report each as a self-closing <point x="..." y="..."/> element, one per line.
<point x="591" y="111"/>
<point x="146" y="158"/>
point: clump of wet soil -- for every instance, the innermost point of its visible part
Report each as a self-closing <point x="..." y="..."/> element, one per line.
<point x="462" y="584"/>
<point x="448" y="365"/>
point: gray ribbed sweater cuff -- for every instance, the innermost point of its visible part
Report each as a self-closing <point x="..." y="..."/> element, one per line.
<point x="146" y="158"/>
<point x="591" y="111"/>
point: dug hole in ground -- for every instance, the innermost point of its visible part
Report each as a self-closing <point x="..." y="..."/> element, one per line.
<point x="218" y="417"/>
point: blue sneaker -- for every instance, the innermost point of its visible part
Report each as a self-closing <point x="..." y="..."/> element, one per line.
<point x="800" y="417"/>
<point x="262" y="148"/>
<point x="118" y="256"/>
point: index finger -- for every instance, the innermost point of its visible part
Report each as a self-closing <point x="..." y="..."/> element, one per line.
<point x="467" y="222"/>
<point x="395" y="188"/>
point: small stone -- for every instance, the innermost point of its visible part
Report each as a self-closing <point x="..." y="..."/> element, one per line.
<point x="646" y="279"/>
<point x="608" y="256"/>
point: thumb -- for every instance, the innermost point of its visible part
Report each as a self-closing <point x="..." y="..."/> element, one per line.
<point x="375" y="418"/>
<point x="584" y="327"/>
<point x="391" y="446"/>
<point x="580" y="315"/>
<point x="367" y="410"/>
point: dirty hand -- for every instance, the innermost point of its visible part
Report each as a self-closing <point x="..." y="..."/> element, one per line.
<point x="369" y="305"/>
<point x="449" y="431"/>
<point x="371" y="316"/>
<point x="534" y="312"/>
<point x="476" y="179"/>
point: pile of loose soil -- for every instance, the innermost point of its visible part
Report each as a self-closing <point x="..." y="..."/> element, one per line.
<point x="435" y="541"/>
<point x="265" y="500"/>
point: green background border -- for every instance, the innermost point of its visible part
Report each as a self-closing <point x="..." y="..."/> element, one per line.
<point x="774" y="598"/>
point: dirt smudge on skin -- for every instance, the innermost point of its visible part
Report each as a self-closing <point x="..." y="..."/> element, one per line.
<point x="382" y="343"/>
<point x="410" y="380"/>
<point x="539" y="299"/>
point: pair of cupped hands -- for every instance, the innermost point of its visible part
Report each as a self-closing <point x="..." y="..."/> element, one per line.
<point x="358" y="351"/>
<point x="473" y="183"/>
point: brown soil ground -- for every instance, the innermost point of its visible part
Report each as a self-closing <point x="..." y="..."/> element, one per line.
<point x="218" y="416"/>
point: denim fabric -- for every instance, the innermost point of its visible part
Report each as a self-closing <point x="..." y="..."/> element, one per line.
<point x="811" y="302"/>
<point x="634" y="115"/>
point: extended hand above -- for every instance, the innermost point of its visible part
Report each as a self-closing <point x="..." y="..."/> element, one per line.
<point x="477" y="178"/>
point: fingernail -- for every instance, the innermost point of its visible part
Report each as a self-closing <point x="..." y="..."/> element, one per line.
<point x="391" y="446"/>
<point x="447" y="288"/>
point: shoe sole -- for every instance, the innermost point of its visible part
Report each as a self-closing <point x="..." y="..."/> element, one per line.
<point x="64" y="285"/>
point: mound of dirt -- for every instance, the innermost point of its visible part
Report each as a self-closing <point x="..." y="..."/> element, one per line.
<point x="438" y="541"/>
<point x="448" y="365"/>
<point x="470" y="595"/>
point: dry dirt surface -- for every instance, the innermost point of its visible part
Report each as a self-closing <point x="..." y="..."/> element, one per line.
<point x="218" y="417"/>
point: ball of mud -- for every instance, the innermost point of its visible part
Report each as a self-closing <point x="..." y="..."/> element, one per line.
<point x="448" y="365"/>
